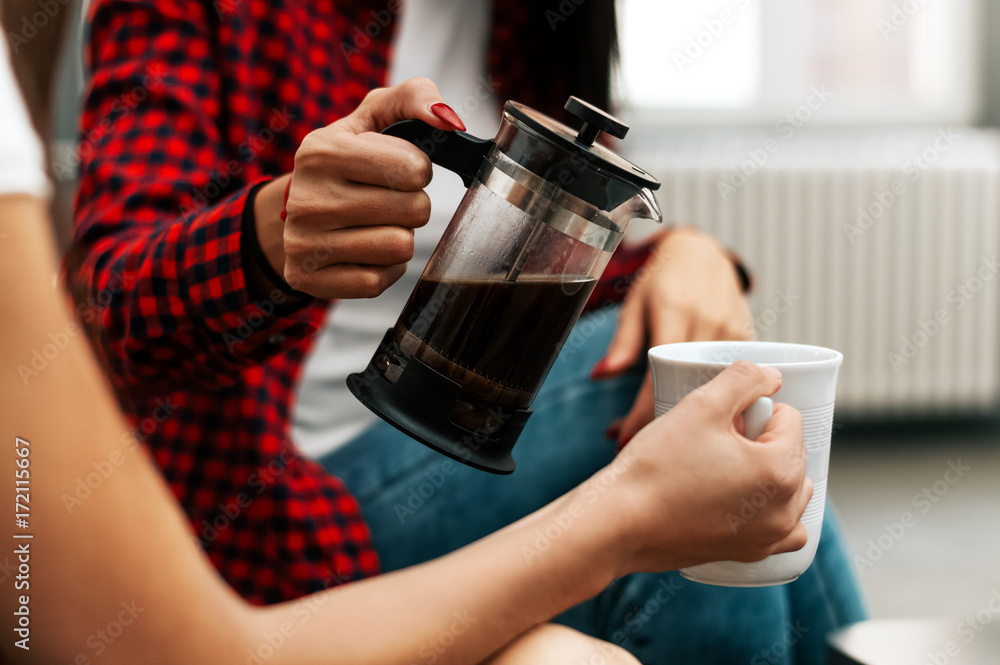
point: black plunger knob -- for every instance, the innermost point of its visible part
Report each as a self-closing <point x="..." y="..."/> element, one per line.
<point x="594" y="121"/>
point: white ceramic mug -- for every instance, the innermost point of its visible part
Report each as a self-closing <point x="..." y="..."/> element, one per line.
<point x="808" y="383"/>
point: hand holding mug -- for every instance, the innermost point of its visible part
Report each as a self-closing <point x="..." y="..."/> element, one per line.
<point x="685" y="473"/>
<point x="809" y="381"/>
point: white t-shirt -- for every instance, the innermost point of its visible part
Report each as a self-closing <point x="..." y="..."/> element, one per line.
<point x="446" y="41"/>
<point x="22" y="165"/>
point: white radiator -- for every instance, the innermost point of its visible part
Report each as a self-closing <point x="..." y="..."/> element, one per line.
<point x="909" y="291"/>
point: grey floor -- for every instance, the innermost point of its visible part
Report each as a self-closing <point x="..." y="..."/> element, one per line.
<point x="944" y="558"/>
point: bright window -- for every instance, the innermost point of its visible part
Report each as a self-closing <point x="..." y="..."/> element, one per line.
<point x="751" y="61"/>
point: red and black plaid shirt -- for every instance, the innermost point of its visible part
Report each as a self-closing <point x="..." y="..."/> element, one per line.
<point x="190" y="105"/>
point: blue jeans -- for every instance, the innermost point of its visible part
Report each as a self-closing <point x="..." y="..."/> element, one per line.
<point x="421" y="505"/>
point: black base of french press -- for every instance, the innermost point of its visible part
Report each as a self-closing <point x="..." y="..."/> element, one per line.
<point x="418" y="404"/>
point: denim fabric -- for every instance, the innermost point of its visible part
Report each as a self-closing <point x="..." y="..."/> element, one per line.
<point x="421" y="505"/>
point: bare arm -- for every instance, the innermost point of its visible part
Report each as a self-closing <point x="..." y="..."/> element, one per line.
<point x="123" y="562"/>
<point x="128" y="542"/>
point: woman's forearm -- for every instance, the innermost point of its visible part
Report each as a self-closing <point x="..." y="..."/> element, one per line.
<point x="464" y="606"/>
<point x="115" y="571"/>
<point x="122" y="541"/>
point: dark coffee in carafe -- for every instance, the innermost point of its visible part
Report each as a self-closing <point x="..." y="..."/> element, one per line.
<point x="497" y="338"/>
<point x="547" y="206"/>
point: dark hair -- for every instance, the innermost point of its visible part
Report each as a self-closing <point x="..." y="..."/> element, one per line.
<point x="34" y="60"/>
<point x="543" y="51"/>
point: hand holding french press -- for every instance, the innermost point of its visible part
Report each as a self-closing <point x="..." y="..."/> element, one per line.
<point x="546" y="207"/>
<point x="355" y="198"/>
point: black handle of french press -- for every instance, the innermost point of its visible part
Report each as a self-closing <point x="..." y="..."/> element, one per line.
<point x="594" y="121"/>
<point x="453" y="150"/>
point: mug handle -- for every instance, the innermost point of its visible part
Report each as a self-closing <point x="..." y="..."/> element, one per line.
<point x="454" y="150"/>
<point x="756" y="416"/>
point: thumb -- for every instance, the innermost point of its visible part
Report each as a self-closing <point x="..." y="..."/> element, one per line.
<point x="415" y="99"/>
<point x="739" y="386"/>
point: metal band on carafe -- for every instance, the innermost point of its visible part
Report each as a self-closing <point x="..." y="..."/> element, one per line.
<point x="547" y="203"/>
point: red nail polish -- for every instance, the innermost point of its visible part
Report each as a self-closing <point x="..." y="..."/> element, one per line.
<point x="446" y="113"/>
<point x="622" y="445"/>
<point x="284" y="206"/>
<point x="599" y="368"/>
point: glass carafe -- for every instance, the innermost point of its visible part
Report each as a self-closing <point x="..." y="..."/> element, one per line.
<point x="545" y="210"/>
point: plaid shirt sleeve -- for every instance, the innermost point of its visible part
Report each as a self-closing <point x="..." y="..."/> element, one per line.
<point x="157" y="259"/>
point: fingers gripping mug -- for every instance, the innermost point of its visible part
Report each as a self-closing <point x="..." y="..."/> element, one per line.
<point x="808" y="383"/>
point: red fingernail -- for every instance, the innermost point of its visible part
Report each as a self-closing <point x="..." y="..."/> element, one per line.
<point x="446" y="113"/>
<point x="612" y="431"/>
<point x="600" y="368"/>
<point x="284" y="206"/>
<point x="623" y="443"/>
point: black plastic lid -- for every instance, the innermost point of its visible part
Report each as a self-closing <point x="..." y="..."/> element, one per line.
<point x="583" y="142"/>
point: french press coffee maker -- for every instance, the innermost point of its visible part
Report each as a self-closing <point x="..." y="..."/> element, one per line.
<point x="546" y="208"/>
